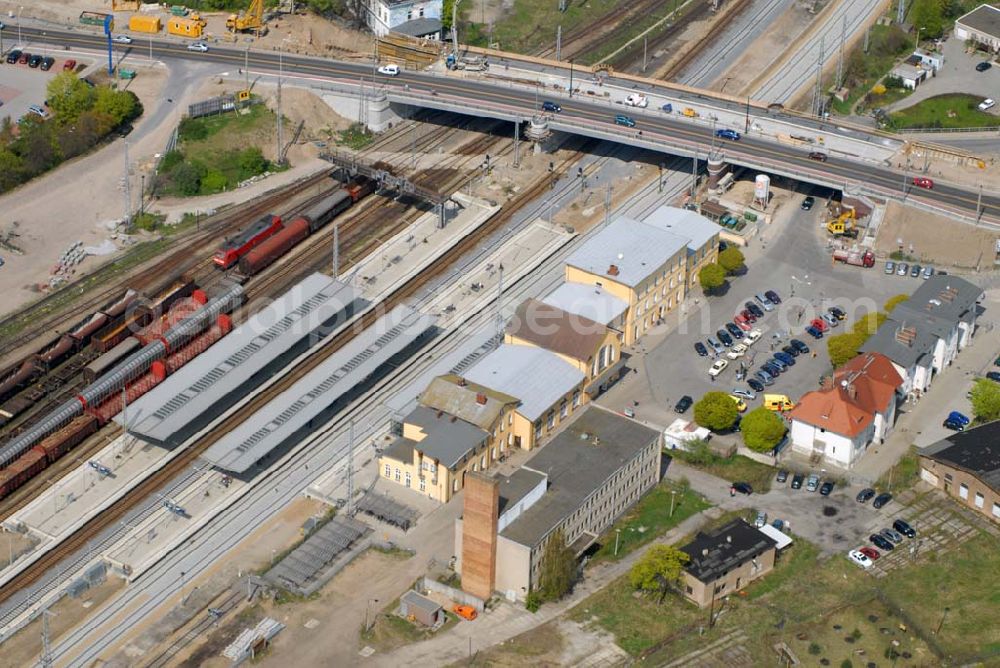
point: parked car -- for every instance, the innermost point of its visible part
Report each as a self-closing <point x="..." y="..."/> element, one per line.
<point x="755" y="385"/>
<point x="763" y="377"/>
<point x="923" y="182"/>
<point x="627" y="121"/>
<point x="764" y="302"/>
<point x="890" y="267"/>
<point x="700" y="348"/>
<point x="752" y="337"/>
<point x="790" y="350"/>
<point x="988" y="103"/>
<point x="994" y="376"/>
<point x="816" y="155"/>
<point x="756" y="310"/>
<point x="761" y="519"/>
<point x="915" y="271"/>
<point x="683" y="404"/>
<point x="826" y="488"/>
<point x="983" y="66"/>
<point x="726" y="133"/>
<point x="771" y="368"/>
<point x="745" y="394"/>
<point x="741" y="405"/>
<point x="35" y="61"/>
<point x="784" y="358"/>
<point x="799" y="345"/>
<point x="13" y="56"/>
<point x="881" y="500"/>
<point x="879" y="541"/>
<point x="959" y="417"/>
<point x="813" y="332"/>
<point x="551" y="106"/>
<point x="47" y="63"/>
<point x="737" y="351"/>
<point x="69" y="65"/>
<point x="742" y="322"/>
<point x="928" y="272"/>
<point x="736" y="332"/>
<point x="23" y="58"/>
<point x="860" y="559"/>
<point x="715" y="345"/>
<point x="723" y="336"/>
<point x="812" y="482"/>
<point x="782" y="475"/>
<point x="953" y="425"/>
<point x="865" y="495"/>
<point x="820" y="324"/>
<point x="778" y="524"/>
<point x="797" y="481"/>
<point x="718" y="367"/>
<point x="390" y="70"/>
<point x="830" y="319"/>
<point x="894" y="536"/>
<point x="750" y="317"/>
<point x="198" y="46"/>
<point x="904" y="528"/>
<point x="773" y="297"/>
<point x="870" y="552"/>
<point x="808" y="202"/>
<point x="743" y="488"/>
<point x="837" y="312"/>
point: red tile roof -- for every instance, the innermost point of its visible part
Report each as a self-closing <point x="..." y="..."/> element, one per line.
<point x="874" y="381"/>
<point x="832" y="409"/>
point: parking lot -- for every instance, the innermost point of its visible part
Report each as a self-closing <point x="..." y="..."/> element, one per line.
<point x="794" y="261"/>
<point x="22" y="86"/>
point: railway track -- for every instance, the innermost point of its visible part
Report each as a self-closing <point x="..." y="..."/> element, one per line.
<point x="720" y="49"/>
<point x="176" y="468"/>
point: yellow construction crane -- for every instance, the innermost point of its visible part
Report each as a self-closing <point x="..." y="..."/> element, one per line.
<point x="843" y="225"/>
<point x="251" y="20"/>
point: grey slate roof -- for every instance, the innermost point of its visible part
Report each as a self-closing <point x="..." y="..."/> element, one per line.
<point x="941" y="302"/>
<point x="313" y="305"/>
<point x="976" y="451"/>
<point x="447" y="393"/>
<point x="734" y="544"/>
<point x="419" y="27"/>
<point x="316" y="391"/>
<point x="514" y="487"/>
<point x="419" y="601"/>
<point x="697" y="229"/>
<point x="576" y="467"/>
<point x="448" y="439"/>
<point x="636" y="249"/>
<point x="984" y="19"/>
<point x="884" y="341"/>
<point x="536" y="377"/>
<point x="589" y="301"/>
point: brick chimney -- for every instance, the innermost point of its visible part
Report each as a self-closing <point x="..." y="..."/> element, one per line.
<point x="905" y="335"/>
<point x="481" y="399"/>
<point x="613" y="270"/>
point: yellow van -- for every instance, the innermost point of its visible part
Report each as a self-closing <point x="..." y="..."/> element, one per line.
<point x="778" y="402"/>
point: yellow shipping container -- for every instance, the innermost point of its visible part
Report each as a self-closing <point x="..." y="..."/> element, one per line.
<point x="184" y="27"/>
<point x="139" y="23"/>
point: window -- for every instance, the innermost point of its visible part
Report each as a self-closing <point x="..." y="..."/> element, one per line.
<point x="538" y="429"/>
<point x="947" y="476"/>
<point x="963" y="491"/>
<point x="996" y="509"/>
<point x="576" y="398"/>
<point x="421" y="12"/>
<point x="563" y="409"/>
<point x="409" y="15"/>
<point x="493" y="453"/>
<point x="482" y="462"/>
<point x="396" y="477"/>
<point x="502" y="426"/>
<point x="979" y="500"/>
<point x="423" y="484"/>
<point x="550" y="421"/>
<point x="510" y="439"/>
<point x="388" y="471"/>
<point x="407" y="478"/>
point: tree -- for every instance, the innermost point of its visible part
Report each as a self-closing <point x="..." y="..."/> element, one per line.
<point x="251" y="162"/>
<point x="986" y="400"/>
<point x="214" y="181"/>
<point x="68" y="97"/>
<point x="446" y="8"/>
<point x="762" y="429"/>
<point x="868" y="324"/>
<point x="187" y="177"/>
<point x="558" y="568"/>
<point x="712" y="277"/>
<point x="121" y="106"/>
<point x="659" y="569"/>
<point x="928" y="16"/>
<point x="844" y="347"/>
<point x="893" y="302"/>
<point x="715" y="411"/>
<point x="732" y="260"/>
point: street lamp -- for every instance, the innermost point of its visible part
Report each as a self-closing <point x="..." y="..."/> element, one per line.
<point x="618" y="535"/>
<point x="571" y="78"/>
<point x="673" y="493"/>
<point x="917" y="45"/>
<point x="19" y="10"/>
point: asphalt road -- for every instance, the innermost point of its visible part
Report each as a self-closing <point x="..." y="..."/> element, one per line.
<point x="489" y="95"/>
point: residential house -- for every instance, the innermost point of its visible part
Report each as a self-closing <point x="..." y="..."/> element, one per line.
<point x="591" y="347"/>
<point x="981" y="26"/>
<point x="966" y="466"/>
<point x="417" y="18"/>
<point x="857" y="408"/>
<point x="575" y="487"/>
<point x="458" y="427"/>
<point x="547" y="387"/>
<point x="725" y="561"/>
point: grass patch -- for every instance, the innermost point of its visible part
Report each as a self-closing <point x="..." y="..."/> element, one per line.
<point x="636" y="26"/>
<point x="393" y="551"/>
<point x="356" y="137"/>
<point x="903" y="473"/>
<point x="389" y="631"/>
<point x="954" y="581"/>
<point x="863" y="70"/>
<point x="956" y="110"/>
<point x="530" y="25"/>
<point x="542" y="645"/>
<point x="736" y="468"/>
<point x="650" y="518"/>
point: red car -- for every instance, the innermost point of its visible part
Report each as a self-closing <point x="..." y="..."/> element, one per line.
<point x="69" y="65"/>
<point x="820" y="324"/>
<point x="923" y="182"/>
<point x="25" y="57"/>
<point x="742" y="323"/>
<point x="748" y="316"/>
<point x="869" y="552"/>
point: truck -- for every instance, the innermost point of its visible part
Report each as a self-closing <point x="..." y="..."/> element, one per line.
<point x="140" y="23"/>
<point x="469" y="63"/>
<point x="637" y="100"/>
<point x="858" y="258"/>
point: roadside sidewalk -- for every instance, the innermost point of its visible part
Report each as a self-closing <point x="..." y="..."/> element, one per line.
<point x="508" y="620"/>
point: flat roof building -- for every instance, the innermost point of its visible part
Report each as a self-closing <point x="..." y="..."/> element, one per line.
<point x="575" y="487"/>
<point x="982" y="26"/>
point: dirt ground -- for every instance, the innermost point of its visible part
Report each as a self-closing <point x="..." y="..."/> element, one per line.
<point x="25" y="647"/>
<point x="694" y="33"/>
<point x="755" y="62"/>
<point x="922" y="233"/>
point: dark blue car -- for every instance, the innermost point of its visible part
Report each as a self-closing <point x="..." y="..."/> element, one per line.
<point x="551" y="106"/>
<point x="734" y="330"/>
<point x="813" y="332"/>
<point x="726" y="133"/>
<point x="786" y="358"/>
<point x="799" y="345"/>
<point x="959" y="417"/>
<point x="771" y="369"/>
<point x="699" y="348"/>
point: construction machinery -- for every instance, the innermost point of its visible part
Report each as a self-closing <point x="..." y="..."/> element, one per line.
<point x="250" y="20"/>
<point x="843" y="225"/>
<point x="856" y="257"/>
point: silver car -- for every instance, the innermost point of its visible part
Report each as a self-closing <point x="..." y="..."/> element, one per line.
<point x="891" y="535"/>
<point x="890" y="267"/>
<point x="812" y="482"/>
<point x="764" y="302"/>
<point x="715" y="345"/>
<point x="902" y="269"/>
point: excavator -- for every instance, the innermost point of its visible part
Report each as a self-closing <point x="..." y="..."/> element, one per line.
<point x="251" y="20"/>
<point x="843" y="225"/>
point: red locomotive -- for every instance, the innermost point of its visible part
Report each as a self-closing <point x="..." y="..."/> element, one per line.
<point x="236" y="247"/>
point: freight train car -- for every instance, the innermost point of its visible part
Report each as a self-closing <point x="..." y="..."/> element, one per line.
<point x="138" y="315"/>
<point x="246" y="239"/>
<point x="108" y="360"/>
<point x="59" y="443"/>
<point x="22" y="470"/>
<point x="21" y="375"/>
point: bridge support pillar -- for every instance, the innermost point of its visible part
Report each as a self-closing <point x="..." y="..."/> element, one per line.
<point x="716" y="168"/>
